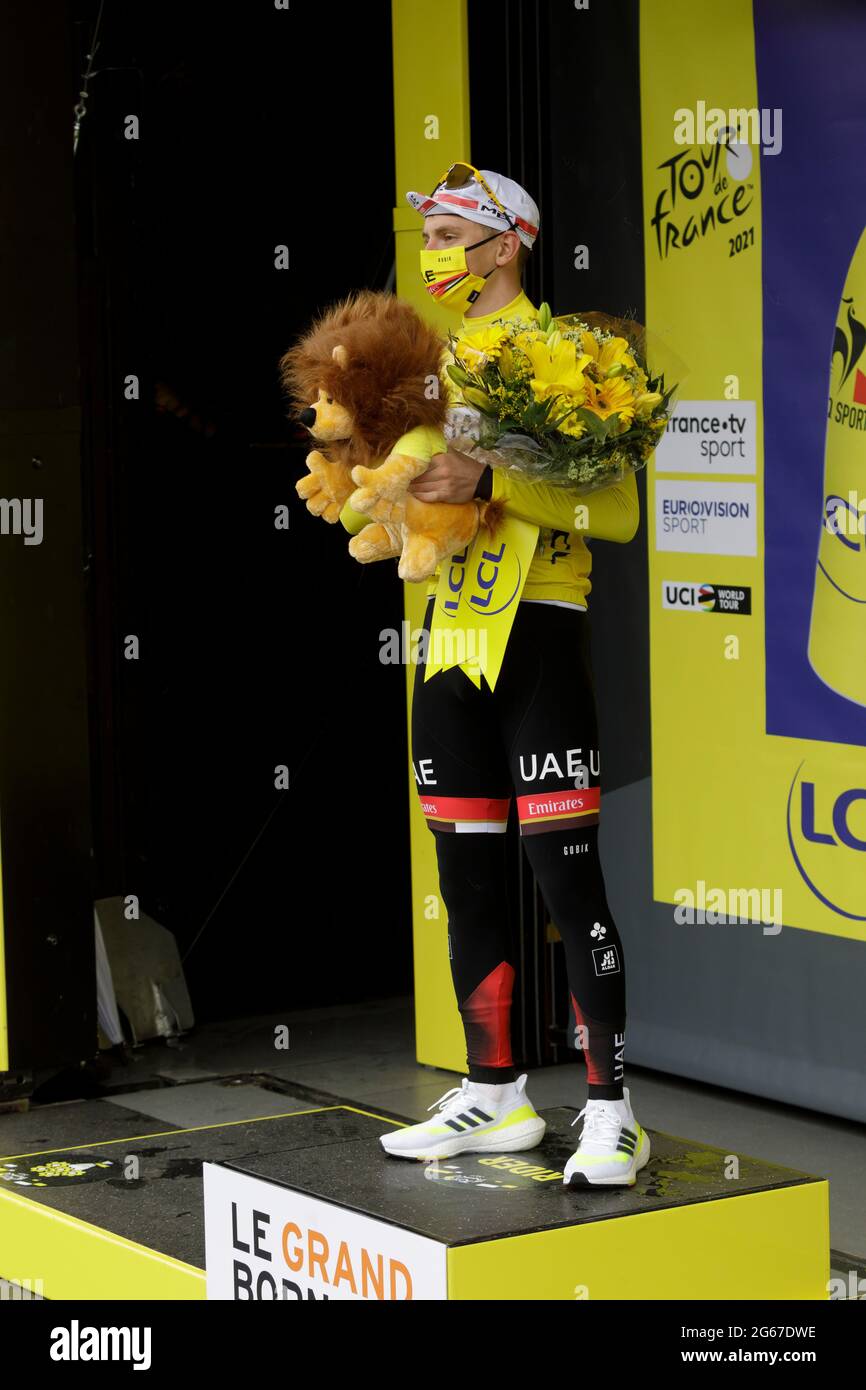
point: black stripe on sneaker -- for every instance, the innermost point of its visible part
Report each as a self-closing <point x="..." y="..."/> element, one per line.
<point x="468" y="1119"/>
<point x="480" y="1113"/>
<point x="455" y="1125"/>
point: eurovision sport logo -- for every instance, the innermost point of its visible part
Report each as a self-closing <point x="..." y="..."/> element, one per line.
<point x="713" y="518"/>
<point x="706" y="598"/>
<point x="826" y="818"/>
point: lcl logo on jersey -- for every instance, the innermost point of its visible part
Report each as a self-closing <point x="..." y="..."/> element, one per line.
<point x="706" y="598"/>
<point x="827" y="836"/>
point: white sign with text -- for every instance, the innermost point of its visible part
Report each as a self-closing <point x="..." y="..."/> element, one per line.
<point x="266" y="1242"/>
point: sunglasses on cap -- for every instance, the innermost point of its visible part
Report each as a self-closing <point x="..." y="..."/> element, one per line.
<point x="459" y="175"/>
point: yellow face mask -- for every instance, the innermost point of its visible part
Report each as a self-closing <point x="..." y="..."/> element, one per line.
<point x="449" y="280"/>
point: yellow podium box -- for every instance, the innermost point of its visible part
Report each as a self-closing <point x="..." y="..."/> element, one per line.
<point x="307" y="1205"/>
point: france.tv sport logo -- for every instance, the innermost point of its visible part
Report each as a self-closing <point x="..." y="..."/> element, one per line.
<point x="706" y="598"/>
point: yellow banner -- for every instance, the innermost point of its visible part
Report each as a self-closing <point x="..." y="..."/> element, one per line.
<point x="774" y="823"/>
<point x="476" y="600"/>
<point x="711" y="820"/>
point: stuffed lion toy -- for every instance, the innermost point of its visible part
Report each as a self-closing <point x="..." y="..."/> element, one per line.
<point x="366" y="382"/>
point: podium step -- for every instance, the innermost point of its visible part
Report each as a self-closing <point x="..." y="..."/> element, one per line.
<point x="306" y="1205"/>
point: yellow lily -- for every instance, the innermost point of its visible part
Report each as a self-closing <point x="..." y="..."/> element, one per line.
<point x="606" y="355"/>
<point x="508" y="366"/>
<point x="527" y="339"/>
<point x="590" y="344"/>
<point x="557" y="371"/>
<point x="646" y="402"/>
<point x="614" y="353"/>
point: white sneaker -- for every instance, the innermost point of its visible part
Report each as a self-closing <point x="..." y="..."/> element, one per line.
<point x="469" y="1121"/>
<point x="612" y="1148"/>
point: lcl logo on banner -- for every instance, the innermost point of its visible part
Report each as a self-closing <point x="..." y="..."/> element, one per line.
<point x="827" y="838"/>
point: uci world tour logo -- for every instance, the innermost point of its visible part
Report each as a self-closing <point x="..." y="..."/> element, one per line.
<point x="827" y="836"/>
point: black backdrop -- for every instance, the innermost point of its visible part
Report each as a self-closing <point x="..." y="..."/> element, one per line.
<point x="259" y="647"/>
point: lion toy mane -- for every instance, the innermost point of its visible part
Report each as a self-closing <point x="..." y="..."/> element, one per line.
<point x="365" y="380"/>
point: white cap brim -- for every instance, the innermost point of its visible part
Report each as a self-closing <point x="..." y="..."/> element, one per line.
<point x="453" y="205"/>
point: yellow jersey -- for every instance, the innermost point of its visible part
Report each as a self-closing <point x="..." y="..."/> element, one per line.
<point x="562" y="562"/>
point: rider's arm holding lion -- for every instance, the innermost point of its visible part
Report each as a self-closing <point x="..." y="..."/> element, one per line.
<point x="408" y="457"/>
<point x="417" y="444"/>
<point x="353" y="521"/>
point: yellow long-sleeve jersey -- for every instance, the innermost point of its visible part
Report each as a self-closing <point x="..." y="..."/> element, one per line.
<point x="561" y="566"/>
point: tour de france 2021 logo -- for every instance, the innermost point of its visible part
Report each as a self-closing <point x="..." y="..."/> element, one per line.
<point x="702" y="190"/>
<point x="826" y="814"/>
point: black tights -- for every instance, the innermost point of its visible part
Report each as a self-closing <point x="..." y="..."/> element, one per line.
<point x="534" y="735"/>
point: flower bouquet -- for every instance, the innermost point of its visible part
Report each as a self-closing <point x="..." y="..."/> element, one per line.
<point x="568" y="400"/>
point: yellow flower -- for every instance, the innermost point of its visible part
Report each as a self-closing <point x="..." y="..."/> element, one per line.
<point x="571" y="426"/>
<point x="474" y="396"/>
<point x="482" y="347"/>
<point x="527" y="339"/>
<point x="590" y="344"/>
<point x="591" y="398"/>
<point x="615" y="397"/>
<point x="557" y="371"/>
<point x="610" y="354"/>
<point x="646" y="403"/>
<point x="614" y="353"/>
<point x="508" y="364"/>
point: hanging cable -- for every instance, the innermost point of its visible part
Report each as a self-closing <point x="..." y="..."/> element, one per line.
<point x="80" y="107"/>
